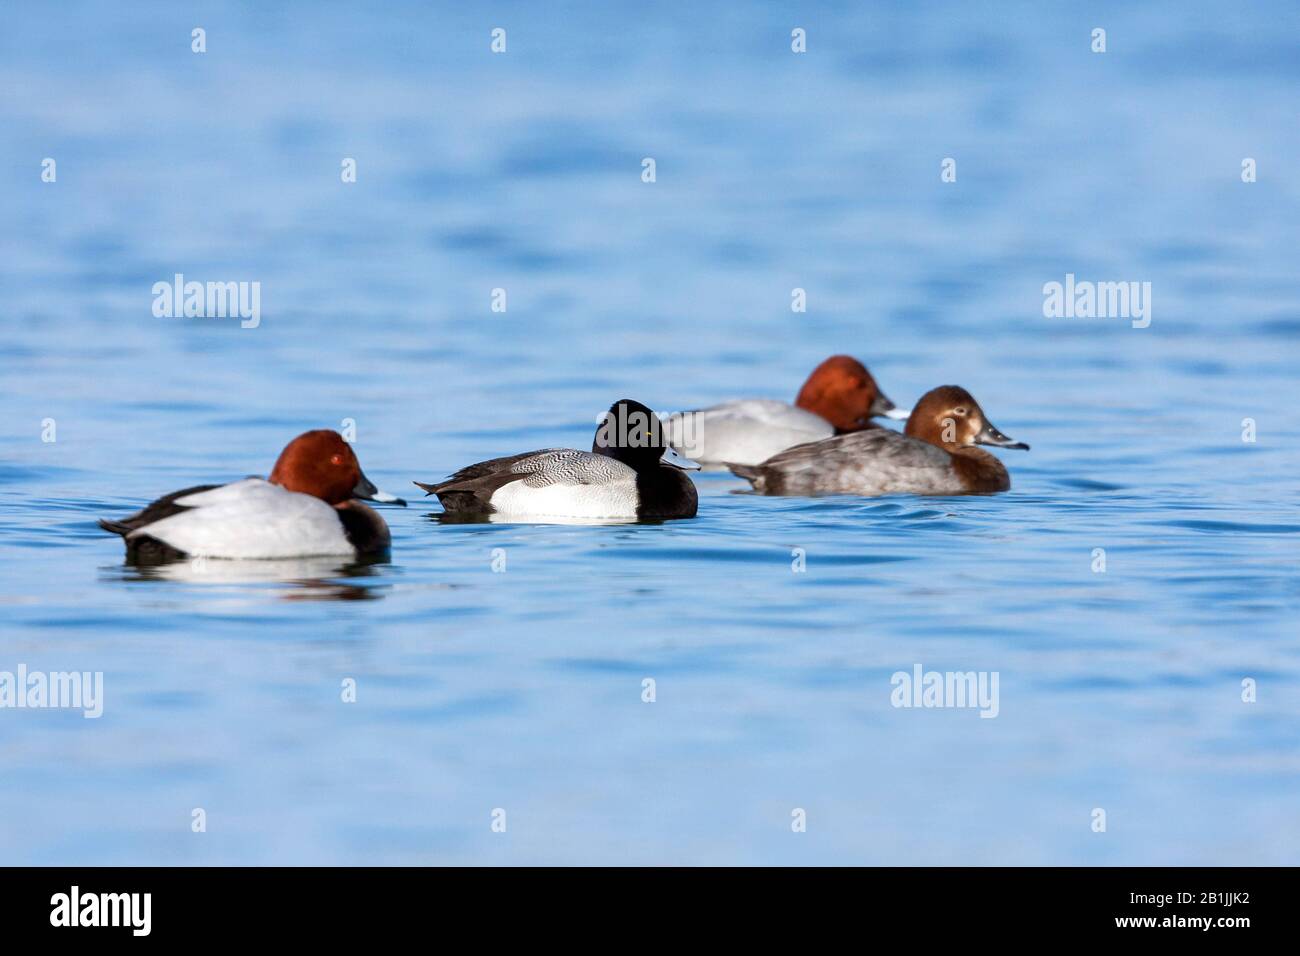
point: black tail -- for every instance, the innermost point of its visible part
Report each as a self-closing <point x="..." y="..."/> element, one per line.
<point x="115" y="527"/>
<point x="472" y="497"/>
<point x="143" y="549"/>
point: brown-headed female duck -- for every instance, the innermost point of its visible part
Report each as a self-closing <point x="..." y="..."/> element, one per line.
<point x="307" y="507"/>
<point x="839" y="397"/>
<point x="936" y="455"/>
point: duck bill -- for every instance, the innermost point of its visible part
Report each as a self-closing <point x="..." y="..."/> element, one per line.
<point x="892" y="411"/>
<point x="991" y="436"/>
<point x="881" y="405"/>
<point x="367" y="491"/>
<point x="672" y="457"/>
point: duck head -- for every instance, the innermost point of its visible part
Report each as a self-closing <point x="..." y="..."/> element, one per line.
<point x="842" y="391"/>
<point x="322" y="464"/>
<point x="631" y="433"/>
<point x="949" y="416"/>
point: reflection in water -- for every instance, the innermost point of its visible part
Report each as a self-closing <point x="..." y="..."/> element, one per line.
<point x="443" y="517"/>
<point x="307" y="579"/>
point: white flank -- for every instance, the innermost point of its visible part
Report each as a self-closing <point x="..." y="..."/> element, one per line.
<point x="744" y="432"/>
<point x="616" y="499"/>
<point x="252" y="519"/>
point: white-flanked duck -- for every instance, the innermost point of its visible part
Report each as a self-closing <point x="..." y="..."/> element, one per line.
<point x="839" y="397"/>
<point x="308" y="507"/>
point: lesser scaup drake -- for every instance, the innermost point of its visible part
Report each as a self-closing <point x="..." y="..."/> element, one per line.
<point x="839" y="397"/>
<point x="934" y="456"/>
<point x="630" y="473"/>
<point x="306" y="508"/>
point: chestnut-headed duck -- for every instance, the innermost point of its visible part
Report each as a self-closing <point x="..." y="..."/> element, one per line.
<point x="935" y="455"/>
<point x="306" y="508"/>
<point x="630" y="473"/>
<point x="839" y="397"/>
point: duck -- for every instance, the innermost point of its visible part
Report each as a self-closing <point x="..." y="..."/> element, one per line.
<point x="936" y="454"/>
<point x="839" y="397"/>
<point x="310" y="506"/>
<point x="630" y="473"/>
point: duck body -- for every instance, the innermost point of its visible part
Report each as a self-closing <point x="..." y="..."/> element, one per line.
<point x="628" y="478"/>
<point x="876" y="462"/>
<point x="309" y="507"/>
<point x="935" y="456"/>
<point x="745" y="431"/>
<point x="565" y="483"/>
<point x="840" y="396"/>
<point x="249" y="519"/>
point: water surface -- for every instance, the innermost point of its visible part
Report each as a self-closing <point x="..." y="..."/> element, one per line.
<point x="521" y="688"/>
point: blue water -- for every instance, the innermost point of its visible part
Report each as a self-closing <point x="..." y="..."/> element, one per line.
<point x="522" y="690"/>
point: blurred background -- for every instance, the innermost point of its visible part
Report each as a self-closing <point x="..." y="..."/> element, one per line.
<point x="522" y="171"/>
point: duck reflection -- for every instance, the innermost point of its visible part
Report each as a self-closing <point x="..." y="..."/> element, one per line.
<point x="303" y="579"/>
<point x="462" y="517"/>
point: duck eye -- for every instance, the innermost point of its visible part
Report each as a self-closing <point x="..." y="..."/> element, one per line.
<point x="336" y="459"/>
<point x="960" y="412"/>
